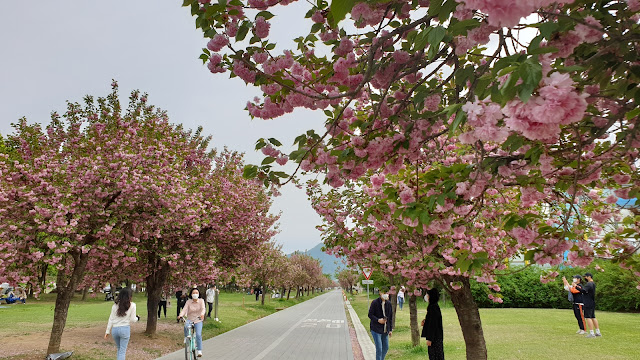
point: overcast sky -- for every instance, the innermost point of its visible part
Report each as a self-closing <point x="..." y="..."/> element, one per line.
<point x="52" y="51"/>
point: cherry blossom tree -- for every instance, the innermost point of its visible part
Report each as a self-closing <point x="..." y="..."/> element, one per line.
<point x="115" y="195"/>
<point x="531" y="107"/>
<point x="347" y="279"/>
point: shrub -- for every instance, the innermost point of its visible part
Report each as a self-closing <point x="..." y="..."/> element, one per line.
<point x="615" y="288"/>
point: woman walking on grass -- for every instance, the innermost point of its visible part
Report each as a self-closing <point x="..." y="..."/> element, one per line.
<point x="123" y="313"/>
<point x="432" y="326"/>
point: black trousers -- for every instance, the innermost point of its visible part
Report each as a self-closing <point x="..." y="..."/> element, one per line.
<point x="436" y="350"/>
<point x="578" y="311"/>
<point x="210" y="308"/>
<point x="162" y="304"/>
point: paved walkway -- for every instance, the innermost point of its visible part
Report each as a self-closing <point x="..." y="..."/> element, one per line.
<point x="314" y="329"/>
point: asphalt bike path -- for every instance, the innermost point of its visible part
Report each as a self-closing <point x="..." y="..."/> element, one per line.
<point x="314" y="329"/>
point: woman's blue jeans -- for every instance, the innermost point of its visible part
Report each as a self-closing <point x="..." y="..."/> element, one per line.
<point x="381" y="341"/>
<point x="400" y="302"/>
<point x="121" y="335"/>
<point x="198" y="328"/>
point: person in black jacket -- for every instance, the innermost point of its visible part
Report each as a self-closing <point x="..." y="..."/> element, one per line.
<point x="432" y="326"/>
<point x="381" y="315"/>
<point x="588" y="291"/>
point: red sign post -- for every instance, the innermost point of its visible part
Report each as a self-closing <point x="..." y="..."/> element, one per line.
<point x="367" y="271"/>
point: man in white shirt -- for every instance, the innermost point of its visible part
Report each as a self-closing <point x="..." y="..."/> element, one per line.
<point x="211" y="296"/>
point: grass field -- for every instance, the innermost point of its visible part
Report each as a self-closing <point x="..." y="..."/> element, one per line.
<point x="26" y="328"/>
<point x="519" y="334"/>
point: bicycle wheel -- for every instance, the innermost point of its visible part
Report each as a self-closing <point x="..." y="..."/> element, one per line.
<point x="187" y="345"/>
<point x="193" y="347"/>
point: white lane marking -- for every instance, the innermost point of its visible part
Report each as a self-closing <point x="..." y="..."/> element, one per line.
<point x="286" y="333"/>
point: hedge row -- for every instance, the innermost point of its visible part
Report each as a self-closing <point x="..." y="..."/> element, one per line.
<point x="615" y="289"/>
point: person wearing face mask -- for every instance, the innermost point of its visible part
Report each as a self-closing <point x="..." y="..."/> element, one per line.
<point x="432" y="326"/>
<point x="194" y="311"/>
<point x="381" y="315"/>
<point x="578" y="303"/>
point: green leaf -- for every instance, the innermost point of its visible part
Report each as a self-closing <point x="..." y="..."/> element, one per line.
<point x="250" y="171"/>
<point x="633" y="113"/>
<point x="461" y="117"/>
<point x="242" y="31"/>
<point x="436" y="35"/>
<point x="434" y="7"/>
<point x="297" y="154"/>
<point x="260" y="144"/>
<point x="546" y="29"/>
<point x="265" y="14"/>
<point x="268" y="160"/>
<point x="463" y="264"/>
<point x="339" y="10"/>
<point x="529" y="254"/>
<point x="275" y="142"/>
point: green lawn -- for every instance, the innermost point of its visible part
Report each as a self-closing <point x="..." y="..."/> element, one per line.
<point x="31" y="323"/>
<point x="519" y="334"/>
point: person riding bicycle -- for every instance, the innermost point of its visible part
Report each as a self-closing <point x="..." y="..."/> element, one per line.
<point x="194" y="311"/>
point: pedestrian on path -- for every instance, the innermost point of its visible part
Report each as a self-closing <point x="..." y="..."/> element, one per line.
<point x="123" y="313"/>
<point x="381" y="315"/>
<point x="162" y="304"/>
<point x="432" y="326"/>
<point x="588" y="291"/>
<point x="211" y="295"/>
<point x="578" y="303"/>
<point x="401" y="297"/>
<point x="194" y="310"/>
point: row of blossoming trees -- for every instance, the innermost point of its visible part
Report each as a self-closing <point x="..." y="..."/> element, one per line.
<point x="103" y="193"/>
<point x="459" y="133"/>
<point x="272" y="270"/>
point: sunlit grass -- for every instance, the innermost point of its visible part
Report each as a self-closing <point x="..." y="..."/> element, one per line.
<point x="519" y="334"/>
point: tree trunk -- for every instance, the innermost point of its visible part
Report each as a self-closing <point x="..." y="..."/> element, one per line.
<point x="288" y="293"/>
<point x="85" y="291"/>
<point x="413" y="320"/>
<point x="469" y="319"/>
<point x="394" y="301"/>
<point x="307" y="290"/>
<point x="155" y="282"/>
<point x="263" y="292"/>
<point x="66" y="287"/>
<point x="394" y="305"/>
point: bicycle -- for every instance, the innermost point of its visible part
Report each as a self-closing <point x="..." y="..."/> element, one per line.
<point x="190" y="342"/>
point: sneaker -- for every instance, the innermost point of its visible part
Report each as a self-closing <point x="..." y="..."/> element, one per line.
<point x="598" y="334"/>
<point x="581" y="332"/>
<point x="591" y="335"/>
<point x="199" y="353"/>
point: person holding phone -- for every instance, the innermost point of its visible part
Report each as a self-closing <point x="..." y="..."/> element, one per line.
<point x="381" y="315"/>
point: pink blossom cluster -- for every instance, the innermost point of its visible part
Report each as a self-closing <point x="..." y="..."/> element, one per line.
<point x="558" y="103"/>
<point x="507" y="13"/>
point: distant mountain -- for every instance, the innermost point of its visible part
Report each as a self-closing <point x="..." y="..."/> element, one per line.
<point x="328" y="262"/>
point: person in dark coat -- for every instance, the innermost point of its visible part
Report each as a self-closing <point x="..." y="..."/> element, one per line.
<point x="432" y="326"/>
<point x="381" y="315"/>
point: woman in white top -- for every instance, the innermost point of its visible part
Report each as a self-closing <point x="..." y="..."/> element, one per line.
<point x="123" y="313"/>
<point x="401" y="297"/>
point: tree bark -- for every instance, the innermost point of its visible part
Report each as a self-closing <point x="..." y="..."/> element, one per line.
<point x="288" y="293"/>
<point x="413" y="320"/>
<point x="394" y="301"/>
<point x="469" y="318"/>
<point x="155" y="282"/>
<point x="85" y="291"/>
<point x="266" y="288"/>
<point x="66" y="286"/>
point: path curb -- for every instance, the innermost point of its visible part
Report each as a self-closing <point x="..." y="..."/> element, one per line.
<point x="368" y="349"/>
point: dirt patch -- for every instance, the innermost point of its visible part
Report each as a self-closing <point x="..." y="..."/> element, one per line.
<point x="89" y="343"/>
